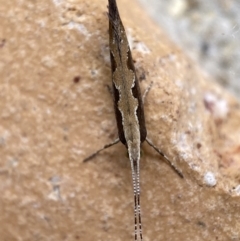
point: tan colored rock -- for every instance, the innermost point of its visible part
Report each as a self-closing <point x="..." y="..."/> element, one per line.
<point x="56" y="110"/>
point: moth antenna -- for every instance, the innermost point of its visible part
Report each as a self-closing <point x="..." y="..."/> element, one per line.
<point x="138" y="201"/>
<point x="136" y="192"/>
<point x="133" y="164"/>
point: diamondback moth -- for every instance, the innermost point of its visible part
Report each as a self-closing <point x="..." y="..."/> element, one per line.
<point x="128" y="107"/>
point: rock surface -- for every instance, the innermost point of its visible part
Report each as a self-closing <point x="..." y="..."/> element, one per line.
<point x="209" y="31"/>
<point x="56" y="110"/>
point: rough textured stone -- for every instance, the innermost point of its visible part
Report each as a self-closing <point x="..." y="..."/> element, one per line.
<point x="56" y="110"/>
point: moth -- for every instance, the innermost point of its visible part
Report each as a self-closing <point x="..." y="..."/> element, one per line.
<point x="128" y="106"/>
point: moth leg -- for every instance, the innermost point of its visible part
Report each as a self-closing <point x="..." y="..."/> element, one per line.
<point x="104" y="147"/>
<point x="163" y="155"/>
<point x="146" y="91"/>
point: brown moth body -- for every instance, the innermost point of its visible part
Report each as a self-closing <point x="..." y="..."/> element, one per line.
<point x="127" y="101"/>
<point x="128" y="106"/>
<point x="127" y="95"/>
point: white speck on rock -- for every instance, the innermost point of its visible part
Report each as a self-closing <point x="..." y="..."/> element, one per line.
<point x="134" y="44"/>
<point x="49" y="62"/>
<point x="80" y="27"/>
<point x="209" y="179"/>
<point x="57" y="2"/>
<point x="218" y="107"/>
<point x="237" y="190"/>
<point x="141" y="47"/>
